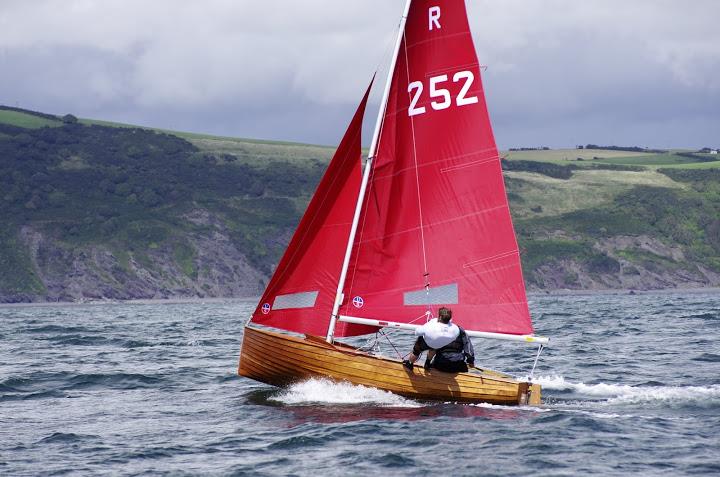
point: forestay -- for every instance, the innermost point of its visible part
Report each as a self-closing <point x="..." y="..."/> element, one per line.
<point x="301" y="292"/>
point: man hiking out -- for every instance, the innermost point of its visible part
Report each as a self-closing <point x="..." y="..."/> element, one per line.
<point x="448" y="346"/>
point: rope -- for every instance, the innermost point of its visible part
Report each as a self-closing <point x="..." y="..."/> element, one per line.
<point x="392" y="330"/>
<point x="426" y="273"/>
<point x="366" y="199"/>
<point x="532" y="371"/>
<point x="393" y="346"/>
<point x="371" y="345"/>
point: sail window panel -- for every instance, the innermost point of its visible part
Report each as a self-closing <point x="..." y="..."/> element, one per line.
<point x="295" y="300"/>
<point x="442" y="295"/>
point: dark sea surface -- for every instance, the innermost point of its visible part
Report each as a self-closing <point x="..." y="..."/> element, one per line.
<point x="631" y="386"/>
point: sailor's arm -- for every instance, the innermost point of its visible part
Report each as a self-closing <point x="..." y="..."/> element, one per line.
<point x="468" y="349"/>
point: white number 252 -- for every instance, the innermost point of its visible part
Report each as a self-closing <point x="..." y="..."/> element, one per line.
<point x="441" y="95"/>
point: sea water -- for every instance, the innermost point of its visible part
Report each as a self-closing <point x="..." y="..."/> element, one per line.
<point x="631" y="385"/>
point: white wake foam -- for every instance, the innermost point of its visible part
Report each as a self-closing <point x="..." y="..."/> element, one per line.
<point x="622" y="393"/>
<point x="513" y="408"/>
<point x="314" y="391"/>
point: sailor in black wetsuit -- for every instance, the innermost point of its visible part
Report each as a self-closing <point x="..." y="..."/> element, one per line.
<point x="449" y="348"/>
<point x="455" y="357"/>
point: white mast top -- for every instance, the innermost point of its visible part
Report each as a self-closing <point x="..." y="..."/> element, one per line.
<point x="388" y="82"/>
<point x="366" y="175"/>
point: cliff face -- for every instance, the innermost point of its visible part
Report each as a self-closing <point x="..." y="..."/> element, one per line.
<point x="656" y="266"/>
<point x="215" y="267"/>
<point x="208" y="264"/>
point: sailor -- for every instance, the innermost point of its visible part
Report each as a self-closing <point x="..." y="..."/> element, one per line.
<point x="448" y="346"/>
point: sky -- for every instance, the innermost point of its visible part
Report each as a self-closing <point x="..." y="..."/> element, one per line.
<point x="559" y="72"/>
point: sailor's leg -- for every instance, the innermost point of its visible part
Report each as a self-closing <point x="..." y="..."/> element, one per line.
<point x="429" y="358"/>
<point x="418" y="348"/>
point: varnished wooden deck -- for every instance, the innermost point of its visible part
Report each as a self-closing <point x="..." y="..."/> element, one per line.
<point x="279" y="359"/>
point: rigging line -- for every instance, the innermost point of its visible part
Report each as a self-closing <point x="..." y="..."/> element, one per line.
<point x="281" y="273"/>
<point x="394" y="330"/>
<point x="532" y="371"/>
<point x="426" y="273"/>
<point x="358" y="238"/>
<point x="371" y="156"/>
<point x="363" y="185"/>
<point x="393" y="346"/>
<point x="386" y="51"/>
<point x="368" y="193"/>
<point x="372" y="344"/>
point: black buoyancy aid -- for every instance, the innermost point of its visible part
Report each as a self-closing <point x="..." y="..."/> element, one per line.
<point x="452" y="352"/>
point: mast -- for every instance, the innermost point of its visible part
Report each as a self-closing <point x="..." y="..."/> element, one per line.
<point x="366" y="176"/>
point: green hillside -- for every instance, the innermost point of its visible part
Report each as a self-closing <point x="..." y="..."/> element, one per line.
<point x="93" y="209"/>
<point x="24" y="120"/>
<point x="135" y="211"/>
<point x="616" y="219"/>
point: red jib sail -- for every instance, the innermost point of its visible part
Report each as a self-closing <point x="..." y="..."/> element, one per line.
<point x="302" y="290"/>
<point x="435" y="227"/>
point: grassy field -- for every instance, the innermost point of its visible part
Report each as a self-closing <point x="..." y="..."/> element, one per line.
<point x="546" y="196"/>
<point x="589" y="157"/>
<point x="649" y="160"/>
<point x="191" y="135"/>
<point x="255" y="152"/>
<point x="695" y="165"/>
<point x="23" y="120"/>
<point x="248" y="151"/>
<point x="563" y="156"/>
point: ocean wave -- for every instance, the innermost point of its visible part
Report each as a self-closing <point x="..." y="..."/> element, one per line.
<point x="624" y="393"/>
<point x="112" y="381"/>
<point x="324" y="391"/>
<point x="57" y="329"/>
<point x="80" y="340"/>
<point x="22" y="396"/>
<point x="708" y="357"/>
<point x="62" y="437"/>
<point x="702" y="316"/>
<point x="36" y="385"/>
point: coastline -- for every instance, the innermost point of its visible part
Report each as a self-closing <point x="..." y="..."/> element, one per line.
<point x="141" y="301"/>
<point x="625" y="291"/>
<point x="244" y="299"/>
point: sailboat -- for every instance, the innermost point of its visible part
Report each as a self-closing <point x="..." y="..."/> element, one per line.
<point x="425" y="224"/>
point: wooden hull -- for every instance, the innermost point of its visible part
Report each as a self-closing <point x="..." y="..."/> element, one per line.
<point x="279" y="359"/>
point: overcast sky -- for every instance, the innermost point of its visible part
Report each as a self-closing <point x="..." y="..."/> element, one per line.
<point x="560" y="72"/>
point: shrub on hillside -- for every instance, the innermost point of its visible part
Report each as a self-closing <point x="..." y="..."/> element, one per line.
<point x="545" y="168"/>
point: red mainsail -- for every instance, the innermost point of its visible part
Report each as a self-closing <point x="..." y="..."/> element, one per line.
<point x="435" y="227"/>
<point x="302" y="290"/>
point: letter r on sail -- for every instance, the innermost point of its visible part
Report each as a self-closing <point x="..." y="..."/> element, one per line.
<point x="434" y="18"/>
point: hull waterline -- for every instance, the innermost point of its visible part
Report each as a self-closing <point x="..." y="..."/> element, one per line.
<point x="280" y="360"/>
